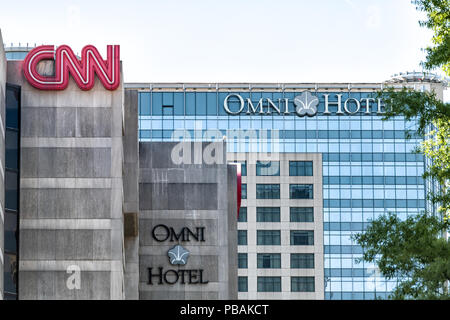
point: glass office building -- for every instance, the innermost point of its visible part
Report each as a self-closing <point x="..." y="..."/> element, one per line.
<point x="368" y="165"/>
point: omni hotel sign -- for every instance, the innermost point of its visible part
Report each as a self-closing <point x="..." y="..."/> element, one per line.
<point x="177" y="256"/>
<point x="306" y="104"/>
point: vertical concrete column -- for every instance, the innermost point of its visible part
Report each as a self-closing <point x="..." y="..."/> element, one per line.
<point x="71" y="192"/>
<point x="131" y="195"/>
<point x="2" y="157"/>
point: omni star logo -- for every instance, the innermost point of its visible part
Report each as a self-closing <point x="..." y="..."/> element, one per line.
<point x="178" y="255"/>
<point x="306" y="104"/>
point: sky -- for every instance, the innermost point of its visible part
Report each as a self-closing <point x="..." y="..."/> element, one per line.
<point x="232" y="40"/>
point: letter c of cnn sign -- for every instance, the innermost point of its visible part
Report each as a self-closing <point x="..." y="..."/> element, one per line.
<point x="82" y="70"/>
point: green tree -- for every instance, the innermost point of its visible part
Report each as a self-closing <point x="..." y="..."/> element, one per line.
<point x="416" y="250"/>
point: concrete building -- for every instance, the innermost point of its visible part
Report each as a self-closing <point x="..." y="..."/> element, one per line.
<point x="79" y="212"/>
<point x="358" y="167"/>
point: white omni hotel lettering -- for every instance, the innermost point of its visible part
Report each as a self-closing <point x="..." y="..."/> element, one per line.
<point x="350" y="106"/>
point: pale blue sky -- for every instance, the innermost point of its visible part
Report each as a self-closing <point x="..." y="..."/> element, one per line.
<point x="238" y="41"/>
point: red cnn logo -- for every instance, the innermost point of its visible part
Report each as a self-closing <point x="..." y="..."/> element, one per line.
<point x="66" y="62"/>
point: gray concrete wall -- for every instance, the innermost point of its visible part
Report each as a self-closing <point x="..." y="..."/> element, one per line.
<point x="2" y="157"/>
<point x="187" y="195"/>
<point x="131" y="194"/>
<point x="71" y="192"/>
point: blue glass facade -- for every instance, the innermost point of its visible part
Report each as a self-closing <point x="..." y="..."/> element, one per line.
<point x="368" y="164"/>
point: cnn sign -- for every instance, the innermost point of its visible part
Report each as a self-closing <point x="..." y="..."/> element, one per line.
<point x="66" y="62"/>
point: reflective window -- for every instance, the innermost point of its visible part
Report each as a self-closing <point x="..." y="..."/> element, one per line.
<point x="242" y="214"/>
<point x="242" y="237"/>
<point x="269" y="284"/>
<point x="244" y="191"/>
<point x="298" y="214"/>
<point x="267" y="214"/>
<point x="242" y="284"/>
<point x="267" y="191"/>
<point x="243" y="168"/>
<point x="268" y="237"/>
<point x="302" y="284"/>
<point x="267" y="168"/>
<point x="12" y="107"/>
<point x="269" y="260"/>
<point x="10" y="275"/>
<point x="12" y="149"/>
<point x="302" y="260"/>
<point x="242" y="261"/>
<point x="11" y="190"/>
<point x="300" y="168"/>
<point x="10" y="232"/>
<point x="301" y="191"/>
<point x="302" y="238"/>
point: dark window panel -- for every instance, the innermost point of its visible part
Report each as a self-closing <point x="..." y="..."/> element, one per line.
<point x="302" y="284"/>
<point x="242" y="237"/>
<point x="242" y="284"/>
<point x="267" y="191"/>
<point x="302" y="261"/>
<point x="301" y="191"/>
<point x="269" y="260"/>
<point x="269" y="284"/>
<point x="11" y="190"/>
<point x="10" y="232"/>
<point x="301" y="214"/>
<point x="268" y="237"/>
<point x="244" y="191"/>
<point x="242" y="261"/>
<point x="302" y="238"/>
<point x="242" y="214"/>
<point x="268" y="214"/>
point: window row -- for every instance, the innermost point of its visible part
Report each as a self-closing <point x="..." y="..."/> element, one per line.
<point x="373" y="180"/>
<point x="11" y="175"/>
<point x="273" y="284"/>
<point x="372" y="157"/>
<point x="273" y="237"/>
<point x="273" y="260"/>
<point x="272" y="191"/>
<point x="377" y="203"/>
<point x="272" y="214"/>
<point x="272" y="168"/>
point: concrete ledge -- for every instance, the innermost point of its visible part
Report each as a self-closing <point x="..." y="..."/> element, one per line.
<point x="63" y="183"/>
<point x="62" y="265"/>
<point x="211" y="286"/>
<point x="68" y="224"/>
<point x="40" y="142"/>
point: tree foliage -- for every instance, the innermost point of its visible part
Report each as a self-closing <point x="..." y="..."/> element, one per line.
<point x="433" y="122"/>
<point x="415" y="251"/>
<point x="438" y="20"/>
<point x="410" y="250"/>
